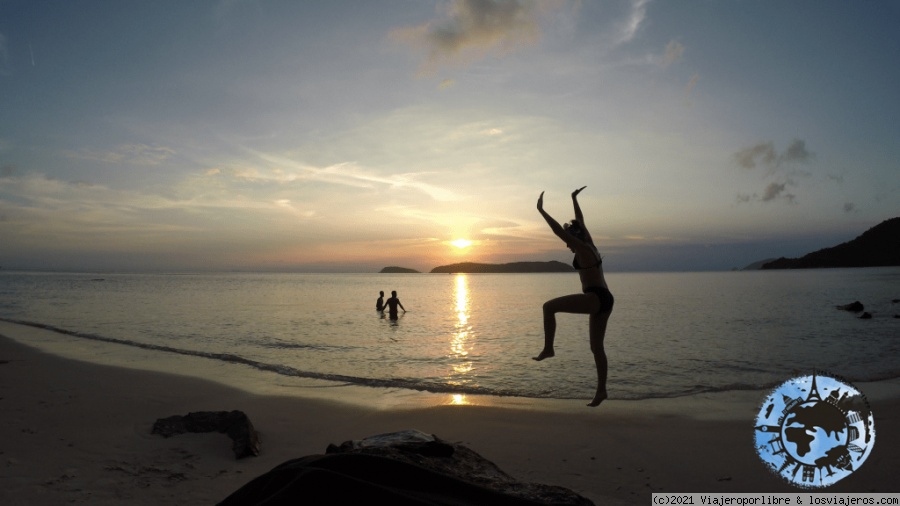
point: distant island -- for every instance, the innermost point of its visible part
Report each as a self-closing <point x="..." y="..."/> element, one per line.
<point x="877" y="247"/>
<point x="514" y="267"/>
<point x="397" y="270"/>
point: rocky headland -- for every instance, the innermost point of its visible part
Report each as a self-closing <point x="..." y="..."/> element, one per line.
<point x="877" y="247"/>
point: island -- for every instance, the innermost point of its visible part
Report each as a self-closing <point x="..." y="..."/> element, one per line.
<point x="397" y="270"/>
<point x="514" y="267"/>
<point x="877" y="247"/>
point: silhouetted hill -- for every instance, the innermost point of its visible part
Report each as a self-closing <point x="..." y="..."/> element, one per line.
<point x="397" y="270"/>
<point x="877" y="247"/>
<point x="527" y="267"/>
<point x="755" y="266"/>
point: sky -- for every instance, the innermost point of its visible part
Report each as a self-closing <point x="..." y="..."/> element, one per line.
<point x="345" y="136"/>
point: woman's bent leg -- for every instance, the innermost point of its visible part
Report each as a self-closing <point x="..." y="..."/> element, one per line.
<point x="576" y="303"/>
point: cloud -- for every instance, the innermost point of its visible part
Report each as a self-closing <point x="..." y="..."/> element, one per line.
<point x="49" y="214"/>
<point x="285" y="170"/>
<point x="763" y="153"/>
<point x="766" y="155"/>
<point x="136" y="154"/>
<point x="780" y="166"/>
<point x="469" y="30"/>
<point x="796" y="152"/>
<point x="674" y="53"/>
<point x="772" y="191"/>
<point x="631" y="25"/>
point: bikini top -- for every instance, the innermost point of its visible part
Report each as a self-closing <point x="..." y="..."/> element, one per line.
<point x="578" y="266"/>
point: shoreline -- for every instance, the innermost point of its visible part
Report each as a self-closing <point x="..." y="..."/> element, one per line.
<point x="79" y="432"/>
<point x="726" y="404"/>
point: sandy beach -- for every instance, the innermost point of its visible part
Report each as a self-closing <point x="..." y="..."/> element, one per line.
<point x="74" y="432"/>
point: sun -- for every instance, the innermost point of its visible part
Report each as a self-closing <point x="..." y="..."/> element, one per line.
<point x="461" y="243"/>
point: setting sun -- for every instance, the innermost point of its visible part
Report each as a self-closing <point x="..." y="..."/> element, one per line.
<point x="461" y="243"/>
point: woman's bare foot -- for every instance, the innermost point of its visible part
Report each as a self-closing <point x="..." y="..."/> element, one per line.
<point x="544" y="354"/>
<point x="600" y="397"/>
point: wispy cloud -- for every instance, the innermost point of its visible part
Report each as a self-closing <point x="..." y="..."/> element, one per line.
<point x="632" y="24"/>
<point x="469" y="30"/>
<point x="283" y="169"/>
<point x="50" y="213"/>
<point x="136" y="154"/>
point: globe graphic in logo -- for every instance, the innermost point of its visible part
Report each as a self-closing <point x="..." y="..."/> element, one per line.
<point x="814" y="430"/>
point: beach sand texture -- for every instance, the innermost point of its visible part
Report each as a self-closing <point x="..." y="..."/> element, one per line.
<point x="73" y="432"/>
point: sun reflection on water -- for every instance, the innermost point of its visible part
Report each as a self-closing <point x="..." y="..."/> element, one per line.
<point x="462" y="340"/>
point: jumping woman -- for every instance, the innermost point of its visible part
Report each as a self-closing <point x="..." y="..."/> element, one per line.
<point x="596" y="299"/>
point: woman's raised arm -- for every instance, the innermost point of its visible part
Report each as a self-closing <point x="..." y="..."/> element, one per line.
<point x="554" y="225"/>
<point x="579" y="216"/>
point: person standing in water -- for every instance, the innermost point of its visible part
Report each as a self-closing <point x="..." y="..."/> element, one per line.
<point x="392" y="304"/>
<point x="595" y="299"/>
<point x="379" y="304"/>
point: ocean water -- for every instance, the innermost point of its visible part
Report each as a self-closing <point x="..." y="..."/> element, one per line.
<point x="670" y="334"/>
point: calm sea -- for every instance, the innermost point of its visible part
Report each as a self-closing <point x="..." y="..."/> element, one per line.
<point x="671" y="334"/>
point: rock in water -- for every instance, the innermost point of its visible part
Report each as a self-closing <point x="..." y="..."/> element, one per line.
<point x="245" y="440"/>
<point x="853" y="307"/>
<point x="407" y="467"/>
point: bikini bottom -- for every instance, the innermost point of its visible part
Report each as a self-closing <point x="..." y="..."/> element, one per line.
<point x="605" y="296"/>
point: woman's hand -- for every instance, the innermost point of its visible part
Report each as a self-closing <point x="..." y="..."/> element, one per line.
<point x="540" y="204"/>
<point x="576" y="192"/>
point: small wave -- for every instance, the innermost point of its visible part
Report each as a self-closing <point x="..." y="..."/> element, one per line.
<point x="284" y="370"/>
<point x="301" y="346"/>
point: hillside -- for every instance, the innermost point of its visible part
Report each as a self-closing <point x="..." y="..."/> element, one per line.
<point x="397" y="270"/>
<point x="877" y="247"/>
<point x="514" y="267"/>
<point x="755" y="266"/>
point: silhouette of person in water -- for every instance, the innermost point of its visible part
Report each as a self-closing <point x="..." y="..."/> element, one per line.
<point x="379" y="304"/>
<point x="392" y="304"/>
<point x="595" y="299"/>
